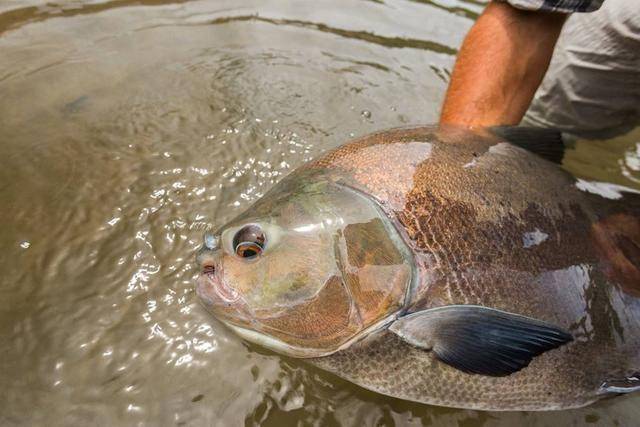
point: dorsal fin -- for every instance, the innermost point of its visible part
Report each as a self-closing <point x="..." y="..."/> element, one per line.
<point x="546" y="143"/>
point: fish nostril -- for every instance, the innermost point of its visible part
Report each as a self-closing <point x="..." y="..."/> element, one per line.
<point x="208" y="269"/>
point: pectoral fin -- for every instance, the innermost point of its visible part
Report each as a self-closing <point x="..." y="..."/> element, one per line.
<point x="479" y="340"/>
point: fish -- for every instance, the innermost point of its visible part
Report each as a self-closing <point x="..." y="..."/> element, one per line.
<point x="446" y="266"/>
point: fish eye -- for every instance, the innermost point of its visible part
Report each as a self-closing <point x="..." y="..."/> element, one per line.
<point x="248" y="250"/>
<point x="249" y="241"/>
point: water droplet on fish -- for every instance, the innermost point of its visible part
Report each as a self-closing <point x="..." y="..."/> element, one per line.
<point x="366" y="114"/>
<point x="25" y="244"/>
<point x="210" y="241"/>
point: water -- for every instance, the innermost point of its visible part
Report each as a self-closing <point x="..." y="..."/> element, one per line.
<point x="127" y="127"/>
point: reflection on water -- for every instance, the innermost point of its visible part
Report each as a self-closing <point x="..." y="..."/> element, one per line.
<point x="128" y="127"/>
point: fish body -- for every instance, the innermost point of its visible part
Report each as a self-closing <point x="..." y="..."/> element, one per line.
<point x="467" y="272"/>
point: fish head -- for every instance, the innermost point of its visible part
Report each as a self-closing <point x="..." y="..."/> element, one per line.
<point x="308" y="269"/>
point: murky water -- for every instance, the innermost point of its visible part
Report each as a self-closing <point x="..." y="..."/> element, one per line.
<point x="129" y="126"/>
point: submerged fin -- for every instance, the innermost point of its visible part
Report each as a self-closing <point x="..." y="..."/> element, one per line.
<point x="617" y="239"/>
<point x="546" y="143"/>
<point x="479" y="340"/>
<point x="626" y="385"/>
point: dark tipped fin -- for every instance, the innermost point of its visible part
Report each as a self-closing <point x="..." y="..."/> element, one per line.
<point x="621" y="386"/>
<point x="480" y="340"/>
<point x="546" y="143"/>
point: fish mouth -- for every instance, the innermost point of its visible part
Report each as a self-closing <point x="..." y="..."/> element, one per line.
<point x="212" y="288"/>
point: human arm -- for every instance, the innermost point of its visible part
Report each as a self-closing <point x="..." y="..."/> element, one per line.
<point x="500" y="65"/>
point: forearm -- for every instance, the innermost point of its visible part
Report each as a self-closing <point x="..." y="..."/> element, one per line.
<point x="500" y="65"/>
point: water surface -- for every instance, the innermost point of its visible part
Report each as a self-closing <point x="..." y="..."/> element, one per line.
<point x="128" y="127"/>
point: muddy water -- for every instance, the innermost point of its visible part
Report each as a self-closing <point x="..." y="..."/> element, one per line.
<point x="128" y="127"/>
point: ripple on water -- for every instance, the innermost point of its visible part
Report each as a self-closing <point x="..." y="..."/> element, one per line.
<point x="130" y="127"/>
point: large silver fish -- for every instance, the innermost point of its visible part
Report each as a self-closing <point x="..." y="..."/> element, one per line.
<point x="440" y="266"/>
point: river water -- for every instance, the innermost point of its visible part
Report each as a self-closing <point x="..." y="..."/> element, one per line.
<point x="127" y="127"/>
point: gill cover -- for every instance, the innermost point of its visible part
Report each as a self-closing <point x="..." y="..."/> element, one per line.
<point x="330" y="267"/>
